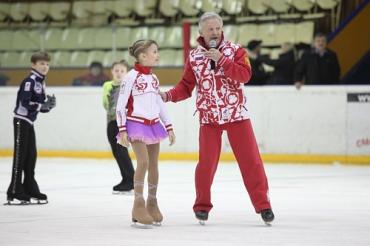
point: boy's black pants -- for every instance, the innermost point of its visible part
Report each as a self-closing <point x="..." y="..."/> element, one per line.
<point x="24" y="158"/>
<point x="120" y="153"/>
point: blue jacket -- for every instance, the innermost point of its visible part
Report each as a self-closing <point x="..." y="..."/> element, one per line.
<point x="30" y="97"/>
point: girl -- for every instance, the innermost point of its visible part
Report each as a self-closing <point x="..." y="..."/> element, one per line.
<point x="140" y="125"/>
<point x="120" y="153"/>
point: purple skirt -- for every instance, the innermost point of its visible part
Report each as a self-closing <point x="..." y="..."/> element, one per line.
<point x="148" y="134"/>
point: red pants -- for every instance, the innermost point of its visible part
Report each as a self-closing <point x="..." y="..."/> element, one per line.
<point x="245" y="149"/>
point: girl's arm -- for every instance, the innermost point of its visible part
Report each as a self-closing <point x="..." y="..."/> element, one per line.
<point x="163" y="114"/>
<point x="124" y="94"/>
<point x="106" y="92"/>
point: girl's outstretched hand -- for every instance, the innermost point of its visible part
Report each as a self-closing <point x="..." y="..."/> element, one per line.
<point x="124" y="139"/>
<point x="171" y="137"/>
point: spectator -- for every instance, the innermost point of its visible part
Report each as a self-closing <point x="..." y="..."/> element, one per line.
<point x="95" y="77"/>
<point x="3" y="79"/>
<point x="318" y="66"/>
<point x="283" y="66"/>
<point x="259" y="75"/>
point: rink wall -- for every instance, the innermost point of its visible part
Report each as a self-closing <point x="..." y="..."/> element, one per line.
<point x="314" y="124"/>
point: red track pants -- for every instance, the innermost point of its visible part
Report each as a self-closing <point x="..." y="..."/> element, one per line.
<point x="245" y="149"/>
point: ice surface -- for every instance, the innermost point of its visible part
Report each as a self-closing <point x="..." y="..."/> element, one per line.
<point x="313" y="204"/>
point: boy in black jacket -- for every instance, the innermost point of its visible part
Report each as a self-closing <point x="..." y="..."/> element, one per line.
<point x="31" y="100"/>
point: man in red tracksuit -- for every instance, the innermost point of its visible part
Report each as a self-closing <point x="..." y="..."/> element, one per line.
<point x="219" y="69"/>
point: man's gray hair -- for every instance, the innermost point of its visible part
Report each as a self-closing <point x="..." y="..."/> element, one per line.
<point x="207" y="16"/>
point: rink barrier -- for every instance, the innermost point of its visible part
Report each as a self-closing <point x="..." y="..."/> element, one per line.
<point x="225" y="157"/>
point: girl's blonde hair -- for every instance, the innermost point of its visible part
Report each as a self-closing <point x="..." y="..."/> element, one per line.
<point x="140" y="46"/>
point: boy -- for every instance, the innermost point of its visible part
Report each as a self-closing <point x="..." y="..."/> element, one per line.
<point x="31" y="100"/>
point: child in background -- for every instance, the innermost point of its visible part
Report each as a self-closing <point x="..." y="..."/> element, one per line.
<point x="140" y="125"/>
<point x="120" y="153"/>
<point x="31" y="100"/>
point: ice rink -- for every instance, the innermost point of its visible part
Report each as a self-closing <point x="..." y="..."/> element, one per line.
<point x="313" y="205"/>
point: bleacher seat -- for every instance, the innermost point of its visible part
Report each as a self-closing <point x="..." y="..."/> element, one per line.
<point x="70" y="38"/>
<point x="233" y="7"/>
<point x="82" y="9"/>
<point x="125" y="55"/>
<point x="170" y="57"/>
<point x="4" y="10"/>
<point x="190" y="7"/>
<point x="110" y="57"/>
<point x="157" y="34"/>
<point x="123" y="35"/>
<point x="303" y="5"/>
<point x="211" y="6"/>
<point x="86" y="38"/>
<point x="24" y="39"/>
<point x="145" y="7"/>
<point x="169" y="8"/>
<point x="173" y="37"/>
<point x="54" y="39"/>
<point x="267" y="33"/>
<point x="19" y="11"/>
<point x="304" y="32"/>
<point x="99" y="7"/>
<point x="58" y="11"/>
<point x="11" y="59"/>
<point x="61" y="59"/>
<point x="122" y="8"/>
<point x="117" y="55"/>
<point x="25" y="59"/>
<point x="79" y="59"/>
<point x="257" y="6"/>
<point x="286" y="33"/>
<point x="194" y="34"/>
<point x="231" y="33"/>
<point x="103" y="38"/>
<point x="327" y="4"/>
<point x="97" y="55"/>
<point x="179" y="58"/>
<point x="38" y="10"/>
<point x="139" y="33"/>
<point x="278" y="6"/>
<point x="247" y="32"/>
<point x="6" y="39"/>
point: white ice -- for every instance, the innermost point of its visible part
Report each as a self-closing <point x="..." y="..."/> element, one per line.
<point x="313" y="204"/>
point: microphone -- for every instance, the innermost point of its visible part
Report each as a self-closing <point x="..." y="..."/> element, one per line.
<point x="213" y="45"/>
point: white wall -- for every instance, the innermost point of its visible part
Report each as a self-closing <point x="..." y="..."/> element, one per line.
<point x="313" y="120"/>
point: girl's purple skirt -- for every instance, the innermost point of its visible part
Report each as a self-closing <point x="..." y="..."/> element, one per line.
<point x="148" y="134"/>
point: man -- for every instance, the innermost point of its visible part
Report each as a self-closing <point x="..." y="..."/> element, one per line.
<point x="219" y="74"/>
<point x="95" y="77"/>
<point x="259" y="75"/>
<point x="283" y="72"/>
<point x="318" y="66"/>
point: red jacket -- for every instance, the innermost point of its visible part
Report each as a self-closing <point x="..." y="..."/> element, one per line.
<point x="220" y="95"/>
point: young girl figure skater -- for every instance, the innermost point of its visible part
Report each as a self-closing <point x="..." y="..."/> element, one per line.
<point x="140" y="114"/>
<point x="120" y="153"/>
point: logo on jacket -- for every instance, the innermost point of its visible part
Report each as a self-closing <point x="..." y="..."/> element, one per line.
<point x="141" y="84"/>
<point x="38" y="88"/>
<point x="155" y="84"/>
<point x="228" y="52"/>
<point x="206" y="84"/>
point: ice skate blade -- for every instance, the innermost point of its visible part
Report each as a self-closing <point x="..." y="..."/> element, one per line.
<point x="141" y="226"/>
<point x="157" y="224"/>
<point x="35" y="201"/>
<point x="124" y="193"/>
<point x="16" y="203"/>
<point x="268" y="223"/>
<point x="202" y="222"/>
